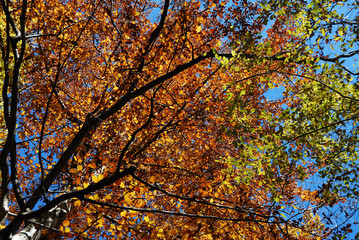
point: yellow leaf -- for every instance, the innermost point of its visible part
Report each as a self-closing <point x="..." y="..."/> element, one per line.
<point x="152" y="179"/>
<point x="146" y="218"/>
<point x="77" y="203"/>
<point x="198" y="29"/>
<point x="100" y="177"/>
<point x="128" y="200"/>
<point x="160" y="233"/>
<point x="122" y="185"/>
<point x="79" y="168"/>
<point x="95" y="179"/>
<point x="66" y="222"/>
<point x="100" y="224"/>
<point x="96" y="197"/>
<point x="212" y="5"/>
<point x="73" y="170"/>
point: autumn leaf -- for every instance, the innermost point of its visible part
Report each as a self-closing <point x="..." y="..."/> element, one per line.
<point x="66" y="223"/>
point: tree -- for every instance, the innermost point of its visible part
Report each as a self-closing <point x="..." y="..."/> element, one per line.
<point x="116" y="123"/>
<point x="316" y="130"/>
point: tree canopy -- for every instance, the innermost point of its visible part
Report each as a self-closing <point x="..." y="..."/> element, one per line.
<point x="152" y="119"/>
<point x="316" y="130"/>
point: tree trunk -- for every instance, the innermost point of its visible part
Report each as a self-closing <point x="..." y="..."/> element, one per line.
<point x="49" y="220"/>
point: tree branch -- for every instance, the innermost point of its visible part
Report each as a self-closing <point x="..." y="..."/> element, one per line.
<point x="179" y="213"/>
<point x="194" y="199"/>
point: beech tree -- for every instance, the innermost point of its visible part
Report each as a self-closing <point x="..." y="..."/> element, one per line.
<point x="117" y="122"/>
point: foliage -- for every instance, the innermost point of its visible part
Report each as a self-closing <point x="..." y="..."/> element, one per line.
<point x="118" y="122"/>
<point x="316" y="133"/>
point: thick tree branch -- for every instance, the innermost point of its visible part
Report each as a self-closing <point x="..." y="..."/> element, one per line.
<point x="74" y="194"/>
<point x="9" y="18"/>
<point x="11" y="115"/>
<point x="158" y="29"/>
<point x="51" y="219"/>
